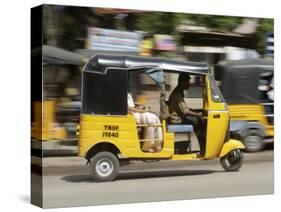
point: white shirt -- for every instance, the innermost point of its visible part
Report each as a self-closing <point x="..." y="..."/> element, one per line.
<point x="130" y="101"/>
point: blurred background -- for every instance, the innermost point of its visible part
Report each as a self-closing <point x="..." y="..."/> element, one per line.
<point x="73" y="34"/>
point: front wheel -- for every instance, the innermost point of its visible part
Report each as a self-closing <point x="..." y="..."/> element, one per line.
<point x="233" y="160"/>
<point x="104" y="166"/>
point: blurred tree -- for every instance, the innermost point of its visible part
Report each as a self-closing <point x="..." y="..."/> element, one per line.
<point x="71" y="24"/>
<point x="68" y="24"/>
<point x="265" y="25"/>
<point x="221" y="23"/>
<point x="158" y="22"/>
<point x="74" y="22"/>
<point x="49" y="27"/>
<point x="166" y="23"/>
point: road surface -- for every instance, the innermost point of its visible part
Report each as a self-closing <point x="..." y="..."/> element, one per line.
<point x="67" y="183"/>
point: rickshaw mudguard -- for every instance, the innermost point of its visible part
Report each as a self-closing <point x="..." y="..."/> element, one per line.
<point x="231" y="145"/>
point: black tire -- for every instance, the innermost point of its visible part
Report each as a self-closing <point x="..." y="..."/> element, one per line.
<point x="253" y="141"/>
<point x="233" y="160"/>
<point x="104" y="166"/>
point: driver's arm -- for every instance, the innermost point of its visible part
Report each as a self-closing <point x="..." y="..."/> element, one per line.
<point x="187" y="111"/>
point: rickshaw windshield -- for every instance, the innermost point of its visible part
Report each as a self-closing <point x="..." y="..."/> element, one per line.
<point x="215" y="91"/>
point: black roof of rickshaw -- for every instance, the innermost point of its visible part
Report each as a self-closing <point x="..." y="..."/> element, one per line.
<point x="57" y="56"/>
<point x="101" y="62"/>
<point x="248" y="65"/>
<point x="240" y="79"/>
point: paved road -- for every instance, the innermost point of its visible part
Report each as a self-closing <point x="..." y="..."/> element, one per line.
<point x="67" y="183"/>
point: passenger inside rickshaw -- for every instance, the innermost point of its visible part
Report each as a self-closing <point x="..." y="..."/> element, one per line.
<point x="149" y="126"/>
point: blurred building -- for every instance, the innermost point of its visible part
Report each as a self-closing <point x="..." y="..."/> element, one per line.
<point x="211" y="46"/>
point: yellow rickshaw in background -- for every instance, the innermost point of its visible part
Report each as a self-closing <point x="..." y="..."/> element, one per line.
<point x="245" y="85"/>
<point x="54" y="121"/>
<point x="108" y="134"/>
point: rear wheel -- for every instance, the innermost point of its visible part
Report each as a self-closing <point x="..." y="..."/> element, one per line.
<point x="233" y="160"/>
<point x="104" y="166"/>
<point x="253" y="141"/>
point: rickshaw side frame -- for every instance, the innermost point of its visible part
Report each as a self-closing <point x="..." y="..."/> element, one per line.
<point x="212" y="149"/>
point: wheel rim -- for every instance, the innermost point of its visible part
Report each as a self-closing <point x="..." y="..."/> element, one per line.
<point x="104" y="167"/>
<point x="233" y="158"/>
<point x="253" y="142"/>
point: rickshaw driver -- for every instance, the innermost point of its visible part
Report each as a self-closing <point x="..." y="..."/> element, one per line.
<point x="179" y="111"/>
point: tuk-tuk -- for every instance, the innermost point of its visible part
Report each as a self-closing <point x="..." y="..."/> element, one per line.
<point x="245" y="85"/>
<point x="53" y="125"/>
<point x="108" y="134"/>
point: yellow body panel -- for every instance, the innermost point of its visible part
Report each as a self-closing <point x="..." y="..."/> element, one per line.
<point x="192" y="156"/>
<point x="217" y="124"/>
<point x="120" y="131"/>
<point x="36" y="130"/>
<point x="231" y="145"/>
<point x="44" y="127"/>
<point x="250" y="112"/>
<point x="216" y="131"/>
<point x="270" y="131"/>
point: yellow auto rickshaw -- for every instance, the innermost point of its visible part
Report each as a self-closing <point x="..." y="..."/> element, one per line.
<point x="109" y="135"/>
<point x="245" y="85"/>
<point x="54" y="125"/>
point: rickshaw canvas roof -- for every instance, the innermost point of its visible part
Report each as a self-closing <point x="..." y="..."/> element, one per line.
<point x="248" y="65"/>
<point x="57" y="56"/>
<point x="100" y="64"/>
<point x="240" y="79"/>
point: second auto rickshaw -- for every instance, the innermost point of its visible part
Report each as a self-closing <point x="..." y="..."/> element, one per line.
<point x="52" y="125"/>
<point x="109" y="134"/>
<point x="245" y="85"/>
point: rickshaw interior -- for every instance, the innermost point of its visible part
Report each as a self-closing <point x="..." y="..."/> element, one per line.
<point x="184" y="134"/>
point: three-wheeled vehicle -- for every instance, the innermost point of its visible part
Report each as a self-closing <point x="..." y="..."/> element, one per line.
<point x="108" y="134"/>
<point x="53" y="125"/>
<point x="245" y="85"/>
